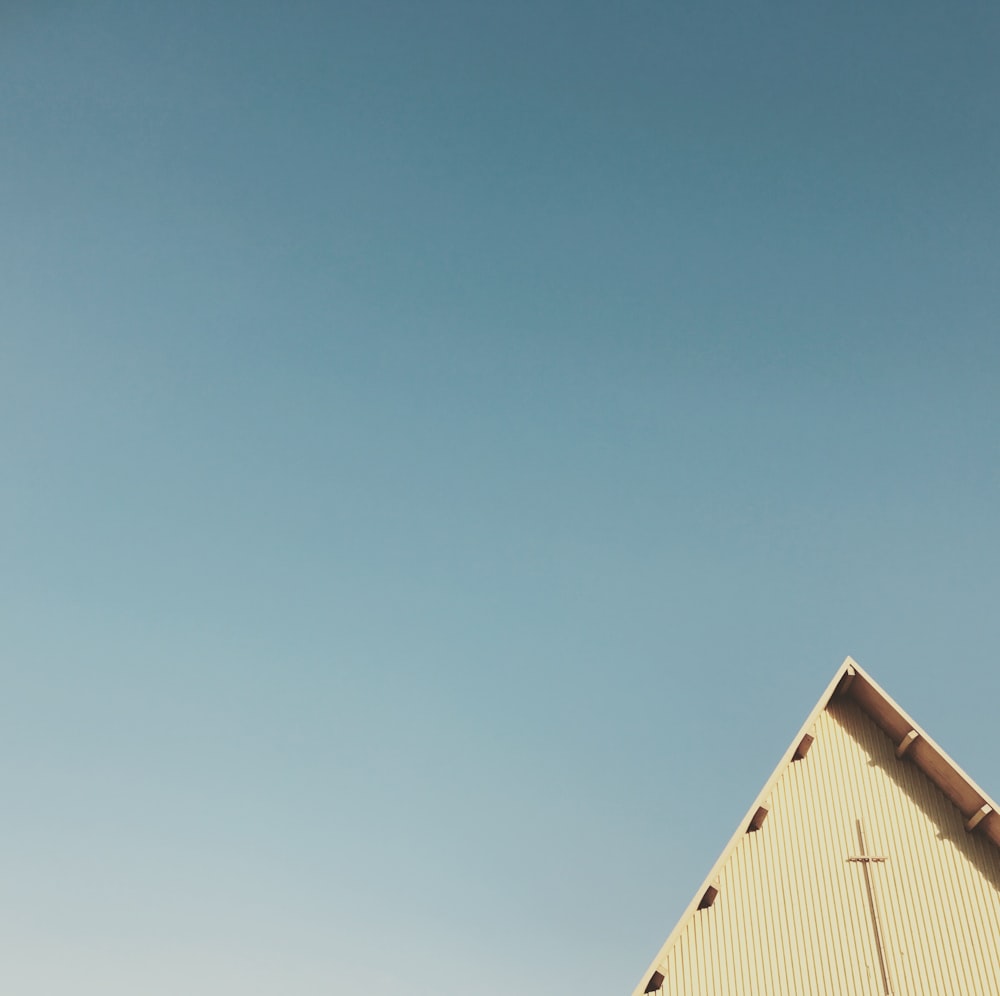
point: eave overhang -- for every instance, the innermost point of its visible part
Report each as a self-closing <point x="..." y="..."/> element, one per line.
<point x="913" y="746"/>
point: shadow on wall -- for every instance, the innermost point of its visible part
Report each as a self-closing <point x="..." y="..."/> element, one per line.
<point x="939" y="809"/>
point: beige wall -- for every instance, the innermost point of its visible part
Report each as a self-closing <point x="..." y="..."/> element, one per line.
<point x="793" y="915"/>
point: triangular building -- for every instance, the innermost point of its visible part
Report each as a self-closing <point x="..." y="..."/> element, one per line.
<point x="868" y="866"/>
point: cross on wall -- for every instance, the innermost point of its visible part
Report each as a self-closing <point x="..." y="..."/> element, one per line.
<point x="866" y="860"/>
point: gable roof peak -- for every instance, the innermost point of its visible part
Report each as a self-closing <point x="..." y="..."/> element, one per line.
<point x="847" y="714"/>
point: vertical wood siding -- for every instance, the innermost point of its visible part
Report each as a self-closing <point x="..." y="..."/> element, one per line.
<point x="793" y="915"/>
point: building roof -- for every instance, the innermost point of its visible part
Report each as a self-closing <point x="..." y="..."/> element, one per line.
<point x="868" y="864"/>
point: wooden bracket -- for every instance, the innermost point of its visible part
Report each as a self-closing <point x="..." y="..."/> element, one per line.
<point x="710" y="894"/>
<point x="803" y="748"/>
<point x="845" y="682"/>
<point x="757" y="820"/>
<point x="977" y="817"/>
<point x="907" y="742"/>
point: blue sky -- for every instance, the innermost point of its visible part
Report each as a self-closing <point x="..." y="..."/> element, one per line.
<point x="447" y="449"/>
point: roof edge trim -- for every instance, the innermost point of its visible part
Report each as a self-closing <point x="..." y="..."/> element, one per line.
<point x="851" y="681"/>
<point x="847" y="669"/>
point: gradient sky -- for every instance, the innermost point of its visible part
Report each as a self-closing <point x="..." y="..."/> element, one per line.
<point x="447" y="448"/>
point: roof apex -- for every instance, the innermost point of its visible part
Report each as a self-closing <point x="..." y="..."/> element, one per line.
<point x="913" y="745"/>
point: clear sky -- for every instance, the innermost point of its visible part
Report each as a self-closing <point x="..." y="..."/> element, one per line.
<point x="448" y="447"/>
